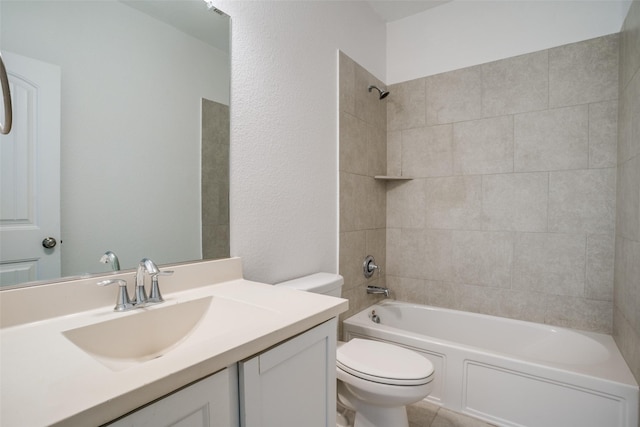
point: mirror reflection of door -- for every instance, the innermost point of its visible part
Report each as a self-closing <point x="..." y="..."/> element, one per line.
<point x="30" y="173"/>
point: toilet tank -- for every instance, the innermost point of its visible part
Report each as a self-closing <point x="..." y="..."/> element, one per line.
<point x="319" y="283"/>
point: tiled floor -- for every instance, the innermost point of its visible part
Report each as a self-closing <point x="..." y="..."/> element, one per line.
<point x="425" y="414"/>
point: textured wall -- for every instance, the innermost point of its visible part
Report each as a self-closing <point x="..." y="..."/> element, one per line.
<point x="626" y="320"/>
<point x="513" y="207"/>
<point x="363" y="154"/>
<point x="284" y="129"/>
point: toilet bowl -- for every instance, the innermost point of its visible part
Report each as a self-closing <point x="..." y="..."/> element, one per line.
<point x="375" y="379"/>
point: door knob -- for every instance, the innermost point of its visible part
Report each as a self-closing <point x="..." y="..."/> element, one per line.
<point x="49" y="242"/>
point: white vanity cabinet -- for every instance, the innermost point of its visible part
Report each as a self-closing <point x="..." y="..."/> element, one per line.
<point x="292" y="384"/>
<point x="210" y="402"/>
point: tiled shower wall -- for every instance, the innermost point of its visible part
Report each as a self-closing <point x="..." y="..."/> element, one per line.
<point x="626" y="319"/>
<point x="511" y="210"/>
<point x="215" y="180"/>
<point x="363" y="132"/>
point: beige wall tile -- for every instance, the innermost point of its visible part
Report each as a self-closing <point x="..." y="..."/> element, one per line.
<point x="630" y="45"/>
<point x="515" y="202"/>
<point x="409" y="290"/>
<point x="628" y="341"/>
<point x="579" y="313"/>
<point x="582" y="201"/>
<point x="368" y="106"/>
<point x="454" y="202"/>
<point x="626" y="326"/>
<point x="523" y="305"/>
<point x="603" y="134"/>
<point x="376" y="204"/>
<point x="362" y="202"/>
<point x="483" y="146"/>
<point x="515" y="85"/>
<point x="406" y="108"/>
<point x="600" y="267"/>
<point x="628" y="123"/>
<point x="353" y="144"/>
<point x="437" y="255"/>
<point x="628" y="198"/>
<point x="552" y="263"/>
<point x="627" y="274"/>
<point x="406" y="204"/>
<point x="405" y="253"/>
<point x="347" y="82"/>
<point x="482" y="258"/>
<point x="352" y="252"/>
<point x="426" y="151"/>
<point x="454" y="96"/>
<point x="584" y="72"/>
<point x="376" y="151"/>
<point x="552" y="140"/>
<point x="480" y="299"/>
<point x="472" y="234"/>
<point x="394" y="153"/>
<point x="351" y="200"/>
<point x="444" y="294"/>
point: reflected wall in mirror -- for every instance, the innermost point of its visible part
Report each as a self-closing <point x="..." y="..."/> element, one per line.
<point x="136" y="133"/>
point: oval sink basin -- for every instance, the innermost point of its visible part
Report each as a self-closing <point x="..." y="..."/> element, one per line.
<point x="145" y="335"/>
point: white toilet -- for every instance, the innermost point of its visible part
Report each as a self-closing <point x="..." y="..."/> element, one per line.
<point x="375" y="379"/>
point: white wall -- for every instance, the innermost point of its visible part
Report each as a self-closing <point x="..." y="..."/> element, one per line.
<point x="130" y="172"/>
<point x="284" y="135"/>
<point x="463" y="33"/>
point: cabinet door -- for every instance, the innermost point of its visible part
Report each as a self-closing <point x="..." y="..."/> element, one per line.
<point x="293" y="384"/>
<point x="211" y="402"/>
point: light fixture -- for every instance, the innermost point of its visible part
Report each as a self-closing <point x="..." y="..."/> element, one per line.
<point x="210" y="6"/>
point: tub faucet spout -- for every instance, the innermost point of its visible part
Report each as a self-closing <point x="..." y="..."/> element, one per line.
<point x="378" y="290"/>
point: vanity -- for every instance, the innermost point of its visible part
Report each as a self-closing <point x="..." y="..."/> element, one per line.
<point x="220" y="351"/>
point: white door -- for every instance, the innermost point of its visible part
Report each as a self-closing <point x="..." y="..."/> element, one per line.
<point x="30" y="173"/>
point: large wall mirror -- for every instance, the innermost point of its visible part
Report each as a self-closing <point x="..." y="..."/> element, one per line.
<point x="135" y="95"/>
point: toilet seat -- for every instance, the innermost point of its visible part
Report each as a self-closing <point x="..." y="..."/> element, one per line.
<point x="383" y="363"/>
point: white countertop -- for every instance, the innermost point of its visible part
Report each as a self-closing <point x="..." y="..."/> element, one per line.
<point x="45" y="379"/>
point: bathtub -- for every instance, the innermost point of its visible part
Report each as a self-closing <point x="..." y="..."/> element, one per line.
<point x="510" y="372"/>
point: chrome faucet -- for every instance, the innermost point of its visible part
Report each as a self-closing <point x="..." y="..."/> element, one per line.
<point x="154" y="295"/>
<point x="110" y="257"/>
<point x="123" y="303"/>
<point x="369" y="266"/>
<point x="378" y="290"/>
<point x="150" y="267"/>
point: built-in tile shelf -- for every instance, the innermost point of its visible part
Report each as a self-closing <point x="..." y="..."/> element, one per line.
<point x="393" y="178"/>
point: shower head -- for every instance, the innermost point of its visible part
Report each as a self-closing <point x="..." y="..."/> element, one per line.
<point x="383" y="93"/>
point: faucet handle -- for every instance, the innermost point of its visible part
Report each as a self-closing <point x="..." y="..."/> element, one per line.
<point x="155" y="297"/>
<point x="369" y="266"/>
<point x="123" y="303"/>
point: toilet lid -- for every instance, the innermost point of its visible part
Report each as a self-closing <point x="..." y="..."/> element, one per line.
<point x="383" y="363"/>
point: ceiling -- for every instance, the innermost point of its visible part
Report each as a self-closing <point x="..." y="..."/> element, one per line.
<point x="392" y="10"/>
<point x="191" y="17"/>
